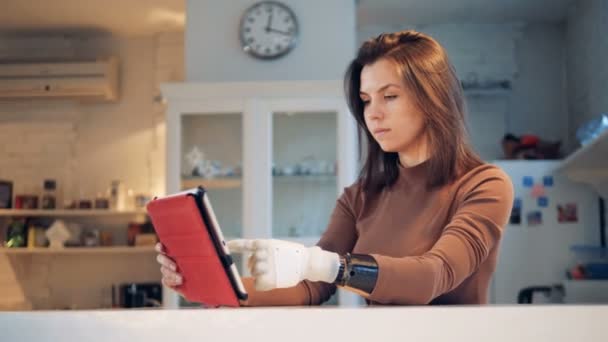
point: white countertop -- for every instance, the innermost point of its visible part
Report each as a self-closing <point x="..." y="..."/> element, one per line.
<point x="453" y="324"/>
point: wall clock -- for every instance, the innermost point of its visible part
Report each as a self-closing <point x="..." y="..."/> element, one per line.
<point x="268" y="30"/>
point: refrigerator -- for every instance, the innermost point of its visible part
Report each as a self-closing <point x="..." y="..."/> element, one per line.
<point x="551" y="214"/>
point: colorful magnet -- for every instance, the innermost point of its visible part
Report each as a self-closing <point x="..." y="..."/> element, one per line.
<point x="528" y="181"/>
<point x="537" y="191"/>
<point x="548" y="181"/>
<point x="535" y="218"/>
<point x="517" y="202"/>
<point x="543" y="201"/>
<point x="515" y="217"/>
<point x="567" y="213"/>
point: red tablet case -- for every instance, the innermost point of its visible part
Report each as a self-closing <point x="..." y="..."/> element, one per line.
<point x="181" y="228"/>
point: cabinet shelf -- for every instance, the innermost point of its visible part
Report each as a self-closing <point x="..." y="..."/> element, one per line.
<point x="232" y="183"/>
<point x="323" y="178"/>
<point x="211" y="183"/>
<point x="70" y="212"/>
<point x="79" y="250"/>
<point x="589" y="164"/>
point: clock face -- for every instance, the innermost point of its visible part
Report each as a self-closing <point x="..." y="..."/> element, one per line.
<point x="268" y="30"/>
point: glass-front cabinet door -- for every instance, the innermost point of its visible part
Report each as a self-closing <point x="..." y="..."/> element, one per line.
<point x="274" y="156"/>
<point x="304" y="180"/>
<point x="211" y="151"/>
<point x="211" y="156"/>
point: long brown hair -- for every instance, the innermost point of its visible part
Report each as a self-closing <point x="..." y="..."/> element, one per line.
<point x="428" y="74"/>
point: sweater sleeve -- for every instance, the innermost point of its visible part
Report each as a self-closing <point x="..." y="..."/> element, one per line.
<point x="339" y="237"/>
<point x="466" y="241"/>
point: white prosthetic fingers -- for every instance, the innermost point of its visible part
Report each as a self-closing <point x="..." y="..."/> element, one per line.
<point x="277" y="263"/>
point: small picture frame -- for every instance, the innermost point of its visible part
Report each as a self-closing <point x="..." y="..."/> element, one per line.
<point x="6" y="194"/>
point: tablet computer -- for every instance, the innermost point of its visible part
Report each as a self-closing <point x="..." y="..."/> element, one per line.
<point x="188" y="229"/>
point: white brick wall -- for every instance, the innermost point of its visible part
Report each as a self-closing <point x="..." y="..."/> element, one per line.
<point x="587" y="70"/>
<point x="31" y="152"/>
<point x="531" y="56"/>
<point x="485" y="49"/>
<point x="85" y="146"/>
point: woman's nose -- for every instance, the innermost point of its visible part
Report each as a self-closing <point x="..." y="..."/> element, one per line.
<point x="374" y="112"/>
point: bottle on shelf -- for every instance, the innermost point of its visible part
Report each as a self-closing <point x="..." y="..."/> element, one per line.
<point x="130" y="200"/>
<point x="118" y="195"/>
<point x="49" y="197"/>
<point x="31" y="237"/>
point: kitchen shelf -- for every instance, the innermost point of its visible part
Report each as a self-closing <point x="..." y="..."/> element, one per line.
<point x="323" y="178"/>
<point x="79" y="250"/>
<point x="69" y="212"/>
<point x="211" y="183"/>
<point x="589" y="164"/>
<point x="232" y="183"/>
<point x="497" y="88"/>
<point x="487" y="92"/>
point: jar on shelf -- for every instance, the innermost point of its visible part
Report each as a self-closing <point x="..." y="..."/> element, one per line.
<point x="101" y="202"/>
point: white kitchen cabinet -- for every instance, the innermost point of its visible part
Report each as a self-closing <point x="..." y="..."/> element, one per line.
<point x="283" y="152"/>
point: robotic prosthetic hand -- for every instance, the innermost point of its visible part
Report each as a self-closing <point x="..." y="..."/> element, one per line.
<point x="278" y="263"/>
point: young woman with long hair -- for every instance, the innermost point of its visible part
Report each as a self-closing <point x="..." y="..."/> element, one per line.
<point x="423" y="222"/>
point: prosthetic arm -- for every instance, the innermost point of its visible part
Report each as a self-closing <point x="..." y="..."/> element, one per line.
<point x="358" y="273"/>
<point x="277" y="264"/>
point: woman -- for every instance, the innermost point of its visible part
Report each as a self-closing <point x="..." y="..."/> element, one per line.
<point x="423" y="222"/>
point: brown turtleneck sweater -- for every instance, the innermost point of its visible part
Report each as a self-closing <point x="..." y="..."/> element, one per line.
<point x="432" y="247"/>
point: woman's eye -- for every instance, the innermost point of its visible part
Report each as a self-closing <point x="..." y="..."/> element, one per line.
<point x="365" y="102"/>
<point x="390" y="97"/>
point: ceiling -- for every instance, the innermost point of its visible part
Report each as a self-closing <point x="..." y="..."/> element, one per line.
<point x="121" y="17"/>
<point x="145" y="17"/>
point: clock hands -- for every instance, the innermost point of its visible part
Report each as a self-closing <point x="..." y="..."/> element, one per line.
<point x="268" y="29"/>
<point x="269" y="23"/>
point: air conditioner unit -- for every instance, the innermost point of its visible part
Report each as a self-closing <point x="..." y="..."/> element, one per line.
<point x="84" y="81"/>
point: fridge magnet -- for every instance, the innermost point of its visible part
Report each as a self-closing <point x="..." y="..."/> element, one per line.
<point x="567" y="212"/>
<point x="517" y="203"/>
<point x="528" y="181"/>
<point x="535" y="218"/>
<point x="515" y="217"/>
<point x="543" y="201"/>
<point x="537" y="191"/>
<point x="548" y="181"/>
